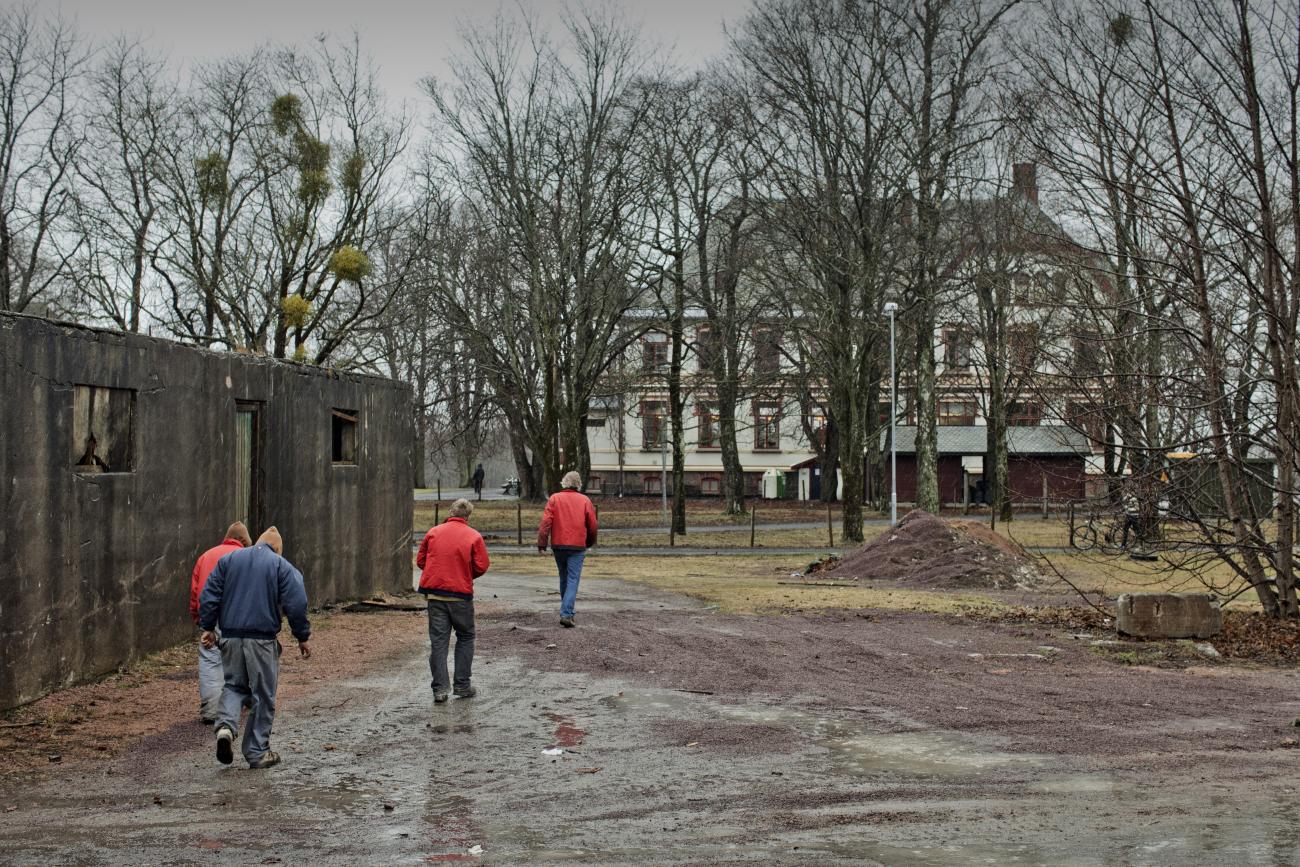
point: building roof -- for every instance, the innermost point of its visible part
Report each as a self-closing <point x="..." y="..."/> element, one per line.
<point x="973" y="440"/>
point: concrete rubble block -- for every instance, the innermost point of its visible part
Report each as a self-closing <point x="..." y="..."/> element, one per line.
<point x="1169" y="615"/>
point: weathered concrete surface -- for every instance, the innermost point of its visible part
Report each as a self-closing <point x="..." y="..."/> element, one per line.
<point x="94" y="568"/>
<point x="376" y="774"/>
<point x="1169" y="615"/>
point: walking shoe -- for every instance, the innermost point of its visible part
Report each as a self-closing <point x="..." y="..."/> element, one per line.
<point x="439" y="697"/>
<point x="268" y="760"/>
<point x="225" y="754"/>
<point x="466" y="692"/>
<point x="567" y="622"/>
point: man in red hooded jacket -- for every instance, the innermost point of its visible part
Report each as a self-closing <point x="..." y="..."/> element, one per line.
<point x="452" y="555"/>
<point x="212" y="678"/>
<point x="569" y="527"/>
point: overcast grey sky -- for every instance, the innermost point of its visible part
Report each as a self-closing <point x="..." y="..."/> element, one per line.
<point x="409" y="38"/>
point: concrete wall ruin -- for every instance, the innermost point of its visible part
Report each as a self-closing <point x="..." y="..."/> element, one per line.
<point x="97" y="540"/>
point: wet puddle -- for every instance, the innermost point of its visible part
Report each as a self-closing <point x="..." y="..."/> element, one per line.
<point x="854" y="748"/>
<point x="922" y="754"/>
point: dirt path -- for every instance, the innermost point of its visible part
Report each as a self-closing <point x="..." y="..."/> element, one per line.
<point x="695" y="738"/>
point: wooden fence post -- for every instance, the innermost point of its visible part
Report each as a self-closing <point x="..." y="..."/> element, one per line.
<point x="753" y="514"/>
<point x="1044" y="496"/>
<point x="519" y="522"/>
<point x="830" y="527"/>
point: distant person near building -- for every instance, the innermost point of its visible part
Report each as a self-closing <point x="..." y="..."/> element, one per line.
<point x="477" y="481"/>
<point x="452" y="556"/>
<point x="244" y="597"/>
<point x="211" y="675"/>
<point x="569" y="527"/>
<point x="1132" y="516"/>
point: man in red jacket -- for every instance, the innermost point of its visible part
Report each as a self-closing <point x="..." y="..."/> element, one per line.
<point x="569" y="526"/>
<point x="452" y="555"/>
<point x="212" y="677"/>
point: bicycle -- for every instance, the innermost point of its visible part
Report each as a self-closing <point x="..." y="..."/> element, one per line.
<point x="1104" y="531"/>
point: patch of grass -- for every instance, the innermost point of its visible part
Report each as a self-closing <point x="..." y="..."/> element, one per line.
<point x="747" y="584"/>
<point x="1171" y="573"/>
<point x="804" y="538"/>
<point x="632" y="512"/>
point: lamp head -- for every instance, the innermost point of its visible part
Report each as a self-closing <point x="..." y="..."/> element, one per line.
<point x="891" y="307"/>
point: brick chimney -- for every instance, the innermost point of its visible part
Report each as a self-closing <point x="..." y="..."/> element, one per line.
<point x="1024" y="182"/>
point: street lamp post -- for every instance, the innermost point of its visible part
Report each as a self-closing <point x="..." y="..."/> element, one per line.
<point x="891" y="308"/>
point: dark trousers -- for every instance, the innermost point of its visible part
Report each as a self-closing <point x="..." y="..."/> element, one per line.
<point x="445" y="618"/>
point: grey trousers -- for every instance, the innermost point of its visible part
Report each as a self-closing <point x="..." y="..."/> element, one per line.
<point x="252" y="668"/>
<point x="212" y="678"/>
<point x="444" y="618"/>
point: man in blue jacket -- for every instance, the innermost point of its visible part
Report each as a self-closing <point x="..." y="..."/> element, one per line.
<point x="244" y="597"/>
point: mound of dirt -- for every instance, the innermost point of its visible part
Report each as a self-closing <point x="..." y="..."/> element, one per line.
<point x="928" y="551"/>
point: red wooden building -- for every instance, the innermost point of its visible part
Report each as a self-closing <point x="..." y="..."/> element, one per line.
<point x="1040" y="458"/>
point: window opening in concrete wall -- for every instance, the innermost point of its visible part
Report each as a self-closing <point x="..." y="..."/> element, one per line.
<point x="343" y="437"/>
<point x="102" y="427"/>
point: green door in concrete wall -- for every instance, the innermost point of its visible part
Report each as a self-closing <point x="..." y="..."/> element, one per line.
<point x="247" y="467"/>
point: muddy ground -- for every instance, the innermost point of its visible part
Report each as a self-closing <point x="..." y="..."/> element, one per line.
<point x="691" y="737"/>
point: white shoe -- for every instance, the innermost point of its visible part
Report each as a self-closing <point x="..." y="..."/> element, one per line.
<point x="225" y="754"/>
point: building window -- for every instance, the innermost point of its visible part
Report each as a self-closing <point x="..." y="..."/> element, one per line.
<point x="1087" y="353"/>
<point x="706" y="346"/>
<point x="767" y="351"/>
<point x="1086" y="418"/>
<point x="652" y="424"/>
<point x="956" y="349"/>
<point x="595" y="421"/>
<point x="710" y="428"/>
<point x="814" y="425"/>
<point x="767" y="426"/>
<point x="1023" y="345"/>
<point x="1024" y="414"/>
<point x="957" y="412"/>
<point x="102" y="422"/>
<point x="654" y="352"/>
<point x="594" y="484"/>
<point x="710" y="485"/>
<point x="651" y="485"/>
<point x="1022" y="289"/>
<point x="343" y="436"/>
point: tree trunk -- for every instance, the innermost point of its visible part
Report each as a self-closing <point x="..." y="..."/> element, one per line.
<point x="421" y="438"/>
<point x="996" y="474"/>
<point x="927" y="434"/>
<point x="851" y="466"/>
<point x="733" y="474"/>
<point x="829" y="460"/>
<point x="677" y="403"/>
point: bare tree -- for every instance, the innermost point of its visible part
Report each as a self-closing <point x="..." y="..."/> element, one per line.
<point x="41" y="64"/>
<point x="941" y="68"/>
<point x="117" y="198"/>
<point x="547" y="134"/>
<point x="821" y="70"/>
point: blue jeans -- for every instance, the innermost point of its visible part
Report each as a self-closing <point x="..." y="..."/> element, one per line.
<point x="252" y="668"/>
<point x="445" y="618"/>
<point x="569" y="564"/>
